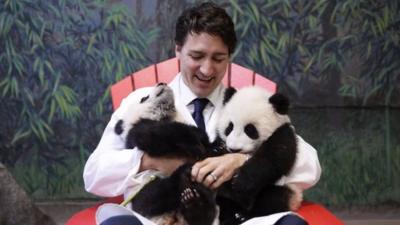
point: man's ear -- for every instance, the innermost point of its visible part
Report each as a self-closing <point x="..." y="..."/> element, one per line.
<point x="178" y="49"/>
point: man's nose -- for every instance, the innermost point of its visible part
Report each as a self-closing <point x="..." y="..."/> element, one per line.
<point x="207" y="68"/>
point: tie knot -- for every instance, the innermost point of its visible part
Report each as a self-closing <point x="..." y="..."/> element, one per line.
<point x="200" y="104"/>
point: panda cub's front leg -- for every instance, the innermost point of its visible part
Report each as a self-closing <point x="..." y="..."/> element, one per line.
<point x="169" y="139"/>
<point x="248" y="182"/>
<point x="197" y="202"/>
<point x="198" y="206"/>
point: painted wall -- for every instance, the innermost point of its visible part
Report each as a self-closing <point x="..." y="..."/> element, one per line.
<point x="336" y="60"/>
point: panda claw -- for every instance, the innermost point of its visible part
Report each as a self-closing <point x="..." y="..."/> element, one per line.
<point x="188" y="196"/>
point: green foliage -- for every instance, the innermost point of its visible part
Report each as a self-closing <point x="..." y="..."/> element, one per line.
<point x="57" y="60"/>
<point x="356" y="167"/>
<point x="328" y="48"/>
<point x="374" y="28"/>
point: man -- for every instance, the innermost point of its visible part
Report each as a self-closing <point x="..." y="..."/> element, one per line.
<point x="205" y="39"/>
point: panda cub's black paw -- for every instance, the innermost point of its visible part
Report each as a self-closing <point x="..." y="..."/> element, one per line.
<point x="189" y="196"/>
<point x="196" y="207"/>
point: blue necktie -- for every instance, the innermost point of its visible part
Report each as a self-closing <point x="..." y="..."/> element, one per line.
<point x="199" y="105"/>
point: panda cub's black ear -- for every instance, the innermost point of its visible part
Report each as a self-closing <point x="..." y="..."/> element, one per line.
<point x="229" y="92"/>
<point x="280" y="103"/>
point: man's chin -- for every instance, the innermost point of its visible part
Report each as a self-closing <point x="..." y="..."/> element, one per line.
<point x="202" y="92"/>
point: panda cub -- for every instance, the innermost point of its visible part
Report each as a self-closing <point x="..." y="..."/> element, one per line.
<point x="153" y="124"/>
<point x="149" y="122"/>
<point x="257" y="123"/>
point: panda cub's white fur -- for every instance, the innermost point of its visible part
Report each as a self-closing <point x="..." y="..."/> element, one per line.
<point x="248" y="106"/>
<point x="156" y="104"/>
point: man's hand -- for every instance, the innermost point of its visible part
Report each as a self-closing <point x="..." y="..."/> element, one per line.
<point x="165" y="165"/>
<point x="214" y="171"/>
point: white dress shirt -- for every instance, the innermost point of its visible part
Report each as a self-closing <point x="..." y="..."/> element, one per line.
<point x="112" y="170"/>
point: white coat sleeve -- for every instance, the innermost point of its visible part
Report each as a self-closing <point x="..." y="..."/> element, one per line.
<point x="111" y="167"/>
<point x="307" y="170"/>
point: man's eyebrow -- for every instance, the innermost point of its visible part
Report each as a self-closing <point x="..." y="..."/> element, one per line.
<point x="220" y="54"/>
<point x="215" y="54"/>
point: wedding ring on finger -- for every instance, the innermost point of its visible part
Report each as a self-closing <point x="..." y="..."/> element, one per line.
<point x="215" y="178"/>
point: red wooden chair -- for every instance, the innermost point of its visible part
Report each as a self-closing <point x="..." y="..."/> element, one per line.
<point x="236" y="76"/>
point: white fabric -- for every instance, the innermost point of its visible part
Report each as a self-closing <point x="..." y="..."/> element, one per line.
<point x="111" y="170"/>
<point x="108" y="210"/>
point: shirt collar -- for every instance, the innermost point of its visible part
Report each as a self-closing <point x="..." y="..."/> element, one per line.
<point x="187" y="96"/>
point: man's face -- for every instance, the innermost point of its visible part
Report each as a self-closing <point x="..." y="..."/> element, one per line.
<point x="204" y="59"/>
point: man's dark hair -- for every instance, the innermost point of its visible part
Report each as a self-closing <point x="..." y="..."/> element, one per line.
<point x="208" y="18"/>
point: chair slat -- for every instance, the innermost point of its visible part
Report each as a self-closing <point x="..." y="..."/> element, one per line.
<point x="145" y="77"/>
<point x="241" y="76"/>
<point x="167" y="70"/>
<point x="226" y="80"/>
<point x="265" y="83"/>
<point x="120" y="90"/>
<point x="236" y="76"/>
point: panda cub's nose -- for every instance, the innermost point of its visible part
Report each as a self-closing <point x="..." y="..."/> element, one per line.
<point x="161" y="84"/>
<point x="234" y="150"/>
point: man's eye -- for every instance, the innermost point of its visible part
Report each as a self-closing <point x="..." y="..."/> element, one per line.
<point x="196" y="57"/>
<point x="219" y="60"/>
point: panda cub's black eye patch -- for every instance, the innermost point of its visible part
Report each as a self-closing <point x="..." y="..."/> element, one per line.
<point x="144" y="99"/>
<point x="251" y="131"/>
<point x="118" y="127"/>
<point x="229" y="129"/>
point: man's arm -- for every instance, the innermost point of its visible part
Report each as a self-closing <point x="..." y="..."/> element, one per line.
<point x="306" y="170"/>
<point x="305" y="173"/>
<point x="110" y="168"/>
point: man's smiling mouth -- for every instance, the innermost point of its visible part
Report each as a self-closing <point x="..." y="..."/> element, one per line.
<point x="204" y="79"/>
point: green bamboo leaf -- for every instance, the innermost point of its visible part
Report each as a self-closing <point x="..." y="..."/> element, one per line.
<point x="320" y="5"/>
<point x="369" y="49"/>
<point x="56" y="83"/>
<point x="41" y="73"/>
<point x="308" y="65"/>
<point x="34" y="129"/>
<point x="47" y="128"/>
<point x="255" y="11"/>
<point x="312" y="21"/>
<point x="8" y="23"/>
<point x="2" y="21"/>
<point x="107" y="63"/>
<point x="54" y="10"/>
<point x="282" y="42"/>
<point x="52" y="111"/>
<point x="263" y="52"/>
<point x="20" y="135"/>
<point x="245" y="28"/>
<point x="370" y="92"/>
<point x="49" y="66"/>
<point x="274" y="28"/>
<point x="91" y="42"/>
<point x="125" y="50"/>
<point x="29" y="96"/>
<point x="6" y="87"/>
<point x="40" y="129"/>
<point x="9" y="47"/>
<point x="18" y="65"/>
<point x="271" y="4"/>
<point x="14" y="87"/>
<point x="4" y="82"/>
<point x="42" y="30"/>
